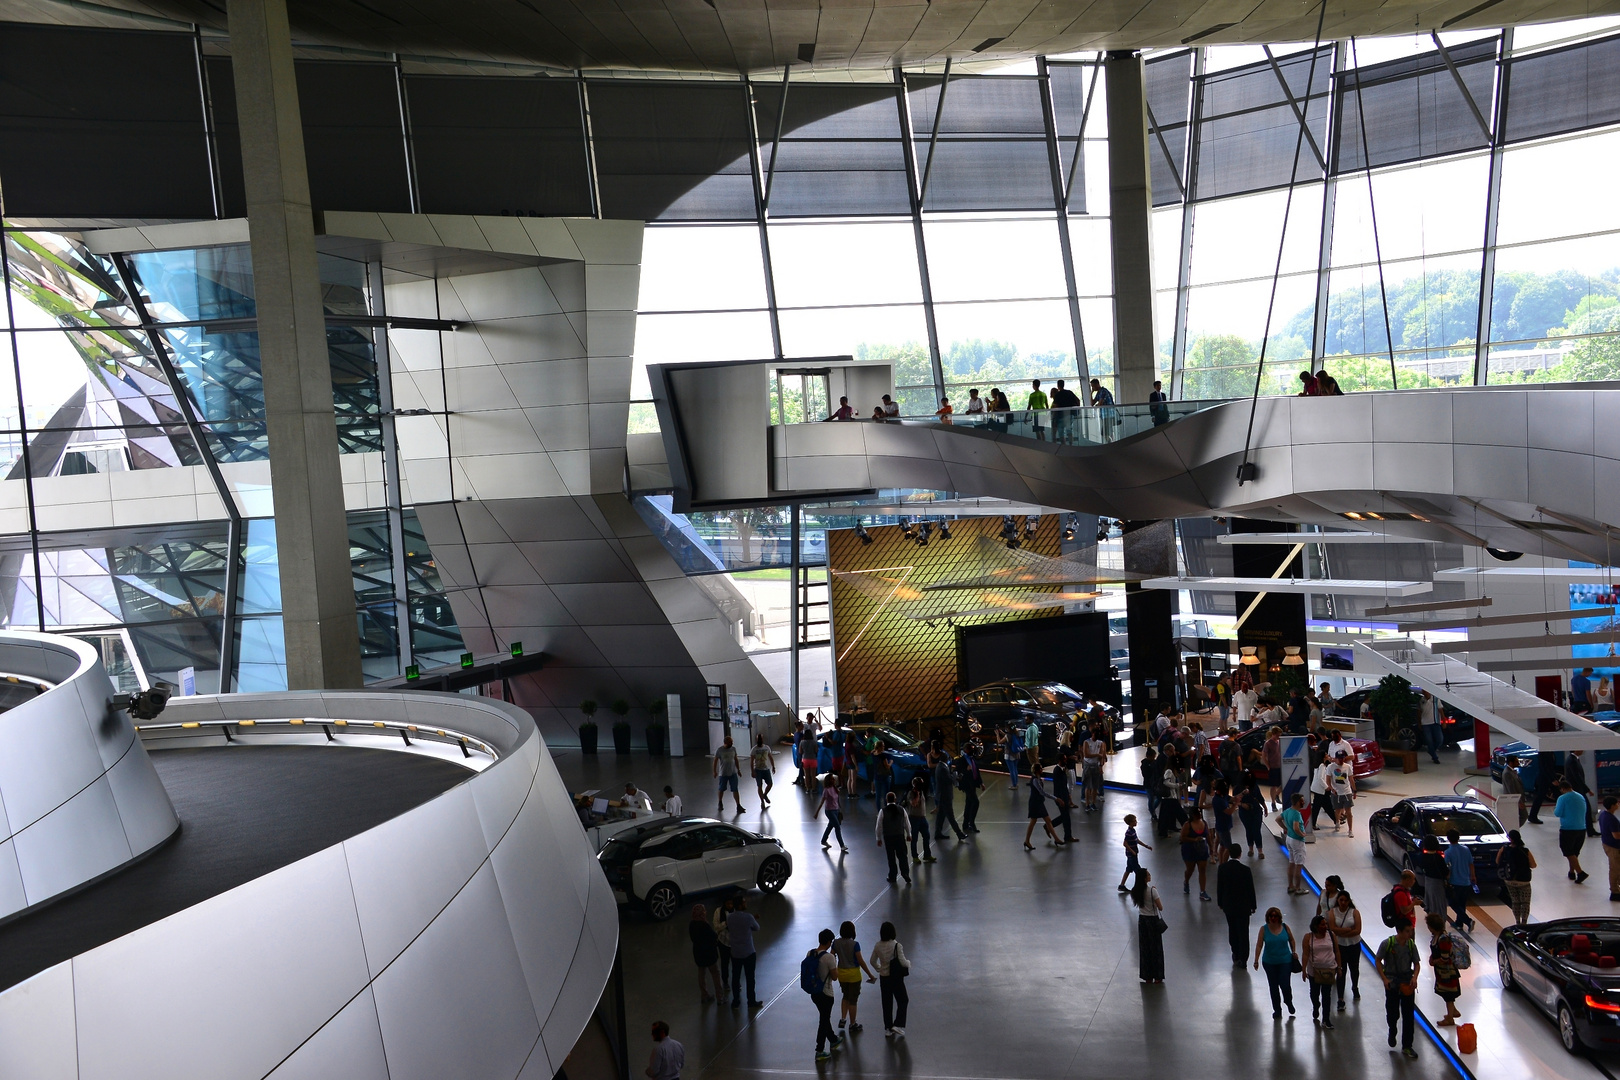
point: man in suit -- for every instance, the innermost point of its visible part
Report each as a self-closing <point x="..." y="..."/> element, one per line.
<point x="1234" y="895"/>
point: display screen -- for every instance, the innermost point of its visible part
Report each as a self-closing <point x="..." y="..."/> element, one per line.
<point x="1070" y="649"/>
<point x="1337" y="659"/>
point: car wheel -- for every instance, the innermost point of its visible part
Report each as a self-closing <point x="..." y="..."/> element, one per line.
<point x="773" y="874"/>
<point x="662" y="900"/>
<point x="1372" y="838"/>
<point x="1566" y="1029"/>
<point x="1505" y="970"/>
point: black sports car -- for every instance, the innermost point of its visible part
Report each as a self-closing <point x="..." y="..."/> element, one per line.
<point x="1570" y="968"/>
<point x="1018" y="702"/>
<point x="1396" y="832"/>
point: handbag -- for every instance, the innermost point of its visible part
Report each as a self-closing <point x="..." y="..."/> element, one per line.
<point x="1294" y="965"/>
<point x="1163" y="926"/>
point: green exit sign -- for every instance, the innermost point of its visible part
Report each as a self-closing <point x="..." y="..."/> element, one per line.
<point x="466" y="659"/>
<point x="412" y="672"/>
<point x="517" y="648"/>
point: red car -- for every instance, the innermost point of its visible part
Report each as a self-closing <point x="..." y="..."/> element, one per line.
<point x="1368" y="758"/>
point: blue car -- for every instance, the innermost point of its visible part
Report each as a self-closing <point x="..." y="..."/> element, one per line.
<point x="1524" y="758"/>
<point x="904" y="752"/>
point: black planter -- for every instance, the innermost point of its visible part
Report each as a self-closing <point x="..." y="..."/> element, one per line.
<point x="621" y="738"/>
<point x="657" y="736"/>
<point x="587" y="739"/>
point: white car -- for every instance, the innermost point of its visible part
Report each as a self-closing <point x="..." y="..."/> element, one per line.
<point x="658" y="863"/>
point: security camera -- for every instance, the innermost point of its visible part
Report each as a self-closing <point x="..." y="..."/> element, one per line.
<point x="147" y="704"/>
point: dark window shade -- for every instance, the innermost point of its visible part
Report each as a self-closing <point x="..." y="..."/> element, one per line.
<point x="672" y="151"/>
<point x="1563" y="90"/>
<point x="1169" y="101"/>
<point x="1070" y="85"/>
<point x="1247" y="132"/>
<point x="991" y="152"/>
<point x="841" y="150"/>
<point x="1414" y="108"/>
<point x="69" y="93"/>
<point x="498" y="145"/>
<point x="353" y="137"/>
<point x="227" y="139"/>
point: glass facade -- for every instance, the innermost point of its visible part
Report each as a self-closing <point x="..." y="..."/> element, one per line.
<point x="126" y="364"/>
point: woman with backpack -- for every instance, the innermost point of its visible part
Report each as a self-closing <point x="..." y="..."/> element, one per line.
<point x="1320" y="968"/>
<point x="1445" y="961"/>
<point x="892" y="967"/>
<point x="1149" y="929"/>
<point x="1514" y="863"/>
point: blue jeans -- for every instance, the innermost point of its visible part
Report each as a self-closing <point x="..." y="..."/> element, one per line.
<point x="835" y="821"/>
<point x="1012" y="757"/>
<point x="742" y="967"/>
<point x="1435" y="737"/>
<point x="1281" y="980"/>
<point x="880" y="787"/>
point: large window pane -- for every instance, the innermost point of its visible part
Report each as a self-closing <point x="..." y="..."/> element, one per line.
<point x="859" y="262"/>
<point x="840" y="152"/>
<point x="1090" y="240"/>
<point x="1429" y="209"/>
<point x="701" y="268"/>
<point x="1025" y="252"/>
<point x="865" y="333"/>
<point x="1433" y="309"/>
<point x="1237" y="239"/>
<point x="696" y="339"/>
<point x="1225" y="327"/>
<point x="1557" y="308"/>
<point x="1547" y="189"/>
<point x="1008" y="343"/>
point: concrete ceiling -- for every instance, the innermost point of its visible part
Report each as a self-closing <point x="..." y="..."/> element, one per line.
<point x="727" y="36"/>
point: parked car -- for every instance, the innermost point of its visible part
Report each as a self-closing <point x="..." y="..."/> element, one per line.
<point x="1397" y="831"/>
<point x="1523" y="756"/>
<point x="1454" y="726"/>
<point x="1020" y="701"/>
<point x="656" y="864"/>
<point x="1368" y="759"/>
<point x="1570" y="969"/>
<point x="906" y="755"/>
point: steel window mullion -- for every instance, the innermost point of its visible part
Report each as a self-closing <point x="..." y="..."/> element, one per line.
<point x="933" y="136"/>
<point x="1080" y="140"/>
<point x="1493" y="206"/>
<point x="761" y="214"/>
<point x="393" y="490"/>
<point x="1054" y="158"/>
<point x="412" y="187"/>
<point x="1178" y="339"/>
<point x="1300" y="115"/>
<point x="909" y="151"/>
<point x="210" y="135"/>
<point x="1330" y="192"/>
<point x="25" y="452"/>
<point x="588" y="133"/>
<point x="1462" y="87"/>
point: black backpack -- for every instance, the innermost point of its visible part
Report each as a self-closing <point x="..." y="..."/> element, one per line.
<point x="1388" y="910"/>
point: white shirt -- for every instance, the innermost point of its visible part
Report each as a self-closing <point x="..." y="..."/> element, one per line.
<point x="891" y="409"/>
<point x="672" y="806"/>
<point x="1319" y="780"/>
<point x="975" y="404"/>
<point x="1426" y="712"/>
<point x="885" y="953"/>
<point x="1244" y="701"/>
<point x="639" y="799"/>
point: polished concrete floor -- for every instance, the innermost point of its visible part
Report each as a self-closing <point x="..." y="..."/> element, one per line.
<point x="244" y="811"/>
<point x="1025" y="963"/>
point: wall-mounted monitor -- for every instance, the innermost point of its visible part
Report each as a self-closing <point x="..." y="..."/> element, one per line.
<point x="1336" y="658"/>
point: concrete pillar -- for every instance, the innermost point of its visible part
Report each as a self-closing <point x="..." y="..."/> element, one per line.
<point x="317" y="591"/>
<point x="1150" y="548"/>
<point x="1130" y="193"/>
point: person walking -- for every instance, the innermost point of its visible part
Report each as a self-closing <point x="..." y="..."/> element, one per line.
<point x="1342" y="787"/>
<point x="851" y="964"/>
<point x="668" y="1056"/>
<point x="1609" y="832"/>
<point x="1251" y="811"/>
<point x="892" y="968"/>
<point x="1271" y="753"/>
<point x="725" y="773"/>
<point x="1152" y="780"/>
<point x="818" y="973"/>
<point x="1133" y="847"/>
<point x="1461" y="881"/>
<point x="1320" y="966"/>
<point x="1275" y="949"/>
<point x="1032" y="746"/>
<point x="763" y="761"/>
<point x="1292" y="821"/>
<point x="1443" y="963"/>
<point x="882" y="769"/>
<point x="1012" y="748"/>
<point x="722" y="937"/>
<point x="1344" y="920"/>
<point x="1397" y="964"/>
<point x="1234" y="895"/>
<point x="740" y="927"/>
<point x="1514" y="865"/>
<point x="833" y="804"/>
<point x="1570" y="810"/>
<point x="1063" y="400"/>
<point x="1224" y="809"/>
<point x="1149" y="929"/>
<point x="893" y="830"/>
<point x="1321" y="795"/>
<point x="705" y="953"/>
<point x="1037" y="812"/>
<point x="1429" y="722"/>
<point x="1036" y="405"/>
<point x="1061" y="794"/>
<point x="1157" y="407"/>
<point x="971" y="782"/>
<point x="945" y="799"/>
<point x="1511" y="802"/>
<point x="917" y="818"/>
<point x="1195" y="855"/>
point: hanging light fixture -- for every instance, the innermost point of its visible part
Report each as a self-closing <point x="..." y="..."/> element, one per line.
<point x="860" y="532"/>
<point x="1249" y="659"/>
<point x="944" y="530"/>
<point x="1291" y="657"/>
<point x="1069" y="528"/>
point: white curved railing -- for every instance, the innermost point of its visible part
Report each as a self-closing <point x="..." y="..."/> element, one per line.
<point x="78" y="796"/>
<point x="470" y="936"/>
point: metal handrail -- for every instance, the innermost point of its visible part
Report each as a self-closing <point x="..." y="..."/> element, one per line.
<point x="465" y="742"/>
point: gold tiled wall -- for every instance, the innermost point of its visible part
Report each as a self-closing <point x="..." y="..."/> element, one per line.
<point x="905" y="667"/>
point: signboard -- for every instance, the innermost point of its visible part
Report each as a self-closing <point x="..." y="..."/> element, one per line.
<point x="737" y="718"/>
<point x="672" y="710"/>
<point x="1296" y="769"/>
<point x="188" y="681"/>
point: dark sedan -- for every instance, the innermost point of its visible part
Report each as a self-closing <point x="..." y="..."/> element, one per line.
<point x="982" y="710"/>
<point x="1396" y="832"/>
<point x="1570" y="968"/>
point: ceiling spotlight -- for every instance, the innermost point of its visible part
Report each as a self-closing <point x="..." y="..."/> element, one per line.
<point x="908" y="528"/>
<point x="1009" y="532"/>
<point x="944" y="530"/>
<point x="1070" y="527"/>
<point x="923" y="532"/>
<point x="860" y="532"/>
<point x="1031" y="523"/>
<point x="1103" y="525"/>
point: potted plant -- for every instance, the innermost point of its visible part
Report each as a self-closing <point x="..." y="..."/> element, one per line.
<point x="621" y="727"/>
<point x="657" y="730"/>
<point x="1394" y="709"/>
<point x="587" y="730"/>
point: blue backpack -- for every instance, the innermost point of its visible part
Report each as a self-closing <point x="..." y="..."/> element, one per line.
<point x="810" y="973"/>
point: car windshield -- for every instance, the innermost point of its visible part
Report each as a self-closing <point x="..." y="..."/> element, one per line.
<point x="1056" y="696"/>
<point x="892" y="739"/>
<point x="620" y="852"/>
<point x="1461" y="820"/>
